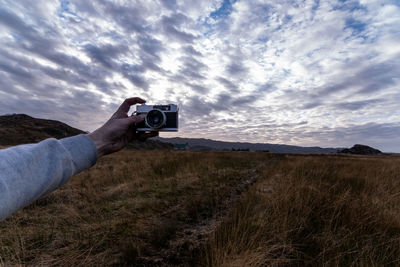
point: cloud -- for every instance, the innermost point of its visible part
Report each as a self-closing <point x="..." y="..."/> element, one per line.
<point x="236" y="69"/>
<point x="231" y="86"/>
<point x="18" y="73"/>
<point x="123" y="14"/>
<point x="192" y="69"/>
<point x="171" y="29"/>
<point x="191" y="51"/>
<point x="356" y="105"/>
<point x="105" y="54"/>
<point x="370" y="79"/>
<point x="299" y="72"/>
<point x="169" y="4"/>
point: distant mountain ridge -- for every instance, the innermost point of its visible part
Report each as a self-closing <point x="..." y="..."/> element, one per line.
<point x="18" y="129"/>
<point x="208" y="144"/>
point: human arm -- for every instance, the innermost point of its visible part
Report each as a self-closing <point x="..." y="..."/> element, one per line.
<point x="30" y="171"/>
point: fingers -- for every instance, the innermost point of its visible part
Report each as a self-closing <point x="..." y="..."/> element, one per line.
<point x="135" y="119"/>
<point x="126" y="105"/>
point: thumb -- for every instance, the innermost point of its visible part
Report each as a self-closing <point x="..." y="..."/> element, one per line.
<point x="135" y="119"/>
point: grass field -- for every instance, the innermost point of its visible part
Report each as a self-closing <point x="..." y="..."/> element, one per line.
<point x="161" y="208"/>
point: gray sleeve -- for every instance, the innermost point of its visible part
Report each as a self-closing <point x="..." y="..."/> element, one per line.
<point x="30" y="171"/>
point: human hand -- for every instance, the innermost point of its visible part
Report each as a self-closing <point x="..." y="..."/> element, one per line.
<point x="119" y="130"/>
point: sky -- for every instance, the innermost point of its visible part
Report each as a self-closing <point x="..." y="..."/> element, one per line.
<point x="310" y="73"/>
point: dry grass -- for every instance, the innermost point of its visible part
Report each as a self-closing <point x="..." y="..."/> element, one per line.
<point x="133" y="207"/>
<point x="124" y="210"/>
<point x="315" y="210"/>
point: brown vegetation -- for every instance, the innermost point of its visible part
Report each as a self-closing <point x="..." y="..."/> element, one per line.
<point x="125" y="210"/>
<point x="157" y="208"/>
<point x="315" y="210"/>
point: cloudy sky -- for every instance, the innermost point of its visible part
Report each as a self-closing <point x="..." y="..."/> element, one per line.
<point x="302" y="72"/>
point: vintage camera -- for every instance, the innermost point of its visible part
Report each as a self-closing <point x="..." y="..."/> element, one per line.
<point x="158" y="118"/>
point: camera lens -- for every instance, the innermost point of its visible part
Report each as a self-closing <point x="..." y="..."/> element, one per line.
<point x="155" y="118"/>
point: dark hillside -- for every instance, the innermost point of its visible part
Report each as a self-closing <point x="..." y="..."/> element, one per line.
<point x="358" y="149"/>
<point x="22" y="129"/>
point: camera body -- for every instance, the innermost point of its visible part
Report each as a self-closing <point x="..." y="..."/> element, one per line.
<point x="158" y="118"/>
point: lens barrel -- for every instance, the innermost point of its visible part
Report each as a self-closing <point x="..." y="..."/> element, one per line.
<point x="155" y="119"/>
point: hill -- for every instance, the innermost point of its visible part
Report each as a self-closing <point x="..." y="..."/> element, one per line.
<point x="18" y="129"/>
<point x="208" y="144"/>
<point x="361" y="150"/>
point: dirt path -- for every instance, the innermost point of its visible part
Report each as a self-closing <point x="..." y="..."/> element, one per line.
<point x="184" y="248"/>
